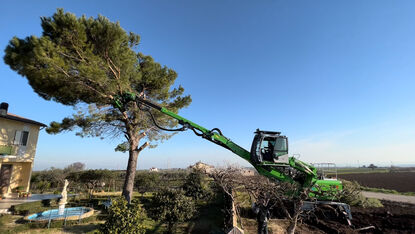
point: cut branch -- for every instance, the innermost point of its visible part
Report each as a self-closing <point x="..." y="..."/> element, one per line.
<point x="143" y="134"/>
<point x="143" y="146"/>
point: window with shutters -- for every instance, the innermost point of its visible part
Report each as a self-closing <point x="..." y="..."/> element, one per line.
<point x="25" y="136"/>
<point x="21" y="138"/>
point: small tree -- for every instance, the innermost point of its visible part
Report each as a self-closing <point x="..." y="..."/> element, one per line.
<point x="196" y="185"/>
<point x="74" y="167"/>
<point x="172" y="206"/>
<point x="124" y="218"/>
<point x="372" y="166"/>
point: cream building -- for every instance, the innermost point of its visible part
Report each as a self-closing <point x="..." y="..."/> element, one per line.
<point x="18" y="139"/>
<point x="203" y="166"/>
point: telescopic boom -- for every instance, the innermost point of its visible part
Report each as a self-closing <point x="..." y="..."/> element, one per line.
<point x="215" y="136"/>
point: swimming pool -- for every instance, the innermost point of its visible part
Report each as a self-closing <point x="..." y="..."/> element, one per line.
<point x="70" y="213"/>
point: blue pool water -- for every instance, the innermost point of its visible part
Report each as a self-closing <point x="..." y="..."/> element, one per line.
<point x="54" y="214"/>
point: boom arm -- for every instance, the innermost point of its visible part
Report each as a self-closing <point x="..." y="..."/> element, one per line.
<point x="215" y="136"/>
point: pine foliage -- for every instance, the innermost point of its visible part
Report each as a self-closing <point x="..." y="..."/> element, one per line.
<point x="89" y="61"/>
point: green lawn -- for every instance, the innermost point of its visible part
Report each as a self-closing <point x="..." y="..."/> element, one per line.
<point x="208" y="219"/>
<point x="361" y="170"/>
<point x="389" y="191"/>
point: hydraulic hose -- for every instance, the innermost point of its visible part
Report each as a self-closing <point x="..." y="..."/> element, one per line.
<point x="160" y="127"/>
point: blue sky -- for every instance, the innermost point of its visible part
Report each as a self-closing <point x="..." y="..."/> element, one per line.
<point x="335" y="77"/>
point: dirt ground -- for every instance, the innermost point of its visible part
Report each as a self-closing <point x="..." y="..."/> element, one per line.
<point x="392" y="218"/>
<point x="278" y="226"/>
<point x="399" y="181"/>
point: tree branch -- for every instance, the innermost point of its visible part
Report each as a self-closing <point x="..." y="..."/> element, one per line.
<point x="93" y="89"/>
<point x="143" y="146"/>
<point x="77" y="51"/>
<point x="112" y="69"/>
<point x="115" y="67"/>
<point x="62" y="70"/>
<point x="69" y="56"/>
<point x="143" y="134"/>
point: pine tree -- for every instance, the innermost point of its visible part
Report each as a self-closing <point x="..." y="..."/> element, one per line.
<point x="86" y="62"/>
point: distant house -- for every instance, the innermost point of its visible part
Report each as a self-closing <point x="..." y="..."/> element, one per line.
<point x="202" y="166"/>
<point x="18" y="139"/>
<point x="154" y="169"/>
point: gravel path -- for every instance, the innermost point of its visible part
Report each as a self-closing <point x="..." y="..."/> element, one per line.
<point x="390" y="197"/>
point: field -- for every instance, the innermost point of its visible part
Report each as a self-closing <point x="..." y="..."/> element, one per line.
<point x="399" y="181"/>
<point x="391" y="218"/>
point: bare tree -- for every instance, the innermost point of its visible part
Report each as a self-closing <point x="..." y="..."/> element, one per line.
<point x="227" y="179"/>
<point x="301" y="194"/>
<point x="268" y="193"/>
<point x="265" y="193"/>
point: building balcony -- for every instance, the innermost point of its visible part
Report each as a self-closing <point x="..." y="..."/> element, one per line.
<point x="6" y="150"/>
<point x="16" y="153"/>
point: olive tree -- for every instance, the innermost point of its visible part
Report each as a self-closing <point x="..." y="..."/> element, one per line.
<point x="172" y="206"/>
<point x="124" y="218"/>
<point x="197" y="186"/>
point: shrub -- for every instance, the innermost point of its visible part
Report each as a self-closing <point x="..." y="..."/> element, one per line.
<point x="372" y="202"/>
<point x="124" y="218"/>
<point x="352" y="195"/>
<point x="172" y="206"/>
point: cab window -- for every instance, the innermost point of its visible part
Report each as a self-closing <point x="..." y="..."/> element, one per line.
<point x="281" y="144"/>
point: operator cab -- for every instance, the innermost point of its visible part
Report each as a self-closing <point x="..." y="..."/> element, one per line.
<point x="269" y="147"/>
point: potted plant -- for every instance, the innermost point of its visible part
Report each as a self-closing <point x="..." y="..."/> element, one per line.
<point x="19" y="190"/>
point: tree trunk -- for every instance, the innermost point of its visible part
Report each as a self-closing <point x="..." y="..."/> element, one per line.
<point x="293" y="225"/>
<point x="297" y="211"/>
<point x="127" y="190"/>
<point x="170" y="227"/>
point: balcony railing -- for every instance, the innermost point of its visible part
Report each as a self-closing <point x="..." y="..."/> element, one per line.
<point x="7" y="150"/>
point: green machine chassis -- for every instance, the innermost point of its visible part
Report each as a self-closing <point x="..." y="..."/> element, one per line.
<point x="324" y="190"/>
